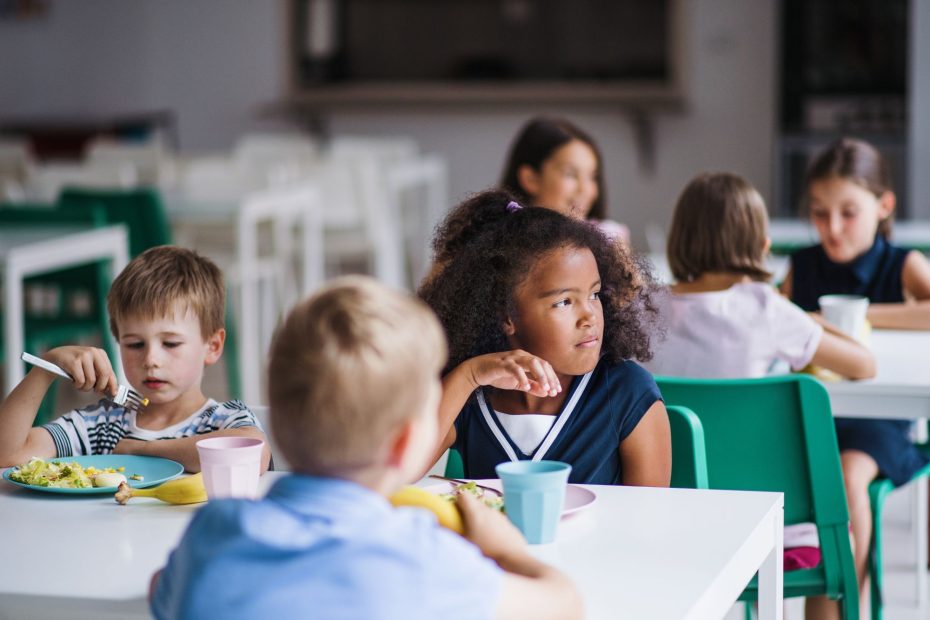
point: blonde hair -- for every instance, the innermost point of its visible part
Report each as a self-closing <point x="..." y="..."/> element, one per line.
<point x="168" y="279"/>
<point x="719" y="225"/>
<point x="349" y="366"/>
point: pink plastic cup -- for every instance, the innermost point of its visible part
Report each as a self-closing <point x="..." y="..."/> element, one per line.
<point x="231" y="466"/>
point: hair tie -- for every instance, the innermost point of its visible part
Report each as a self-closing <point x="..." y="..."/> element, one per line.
<point x="513" y="206"/>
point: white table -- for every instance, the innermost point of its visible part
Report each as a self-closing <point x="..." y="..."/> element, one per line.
<point x="635" y="552"/>
<point x="27" y="251"/>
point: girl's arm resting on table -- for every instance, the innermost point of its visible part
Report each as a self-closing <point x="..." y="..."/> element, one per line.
<point x="184" y="450"/>
<point x="912" y="314"/>
<point x="19" y="441"/>
<point x="646" y="453"/>
<point x="841" y="354"/>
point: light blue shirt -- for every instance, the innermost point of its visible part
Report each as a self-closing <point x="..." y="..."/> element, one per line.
<point x="323" y="548"/>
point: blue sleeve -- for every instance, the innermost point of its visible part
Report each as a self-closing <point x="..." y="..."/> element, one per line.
<point x="638" y="392"/>
<point x="462" y="584"/>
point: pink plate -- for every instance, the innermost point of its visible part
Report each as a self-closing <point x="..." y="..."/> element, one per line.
<point x="576" y="497"/>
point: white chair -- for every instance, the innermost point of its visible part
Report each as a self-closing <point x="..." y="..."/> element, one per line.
<point x="149" y="159"/>
<point x="16" y="164"/>
<point x="47" y="180"/>
<point x="361" y="224"/>
<point x="419" y="189"/>
<point x="385" y="148"/>
<point x="272" y="276"/>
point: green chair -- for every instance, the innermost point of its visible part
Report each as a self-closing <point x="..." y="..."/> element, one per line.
<point x="777" y="434"/>
<point x="689" y="456"/>
<point x="63" y="326"/>
<point x="878" y="492"/>
<point x="141" y="210"/>
<point x="454" y="466"/>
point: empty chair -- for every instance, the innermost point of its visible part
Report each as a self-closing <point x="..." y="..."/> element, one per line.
<point x="149" y="160"/>
<point x="279" y="259"/>
<point x="48" y="180"/>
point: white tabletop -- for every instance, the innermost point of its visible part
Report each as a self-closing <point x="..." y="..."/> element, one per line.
<point x="632" y="552"/>
<point x="901" y="387"/>
<point x="13" y="236"/>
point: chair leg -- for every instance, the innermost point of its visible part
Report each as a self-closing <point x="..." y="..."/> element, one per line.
<point x="878" y="491"/>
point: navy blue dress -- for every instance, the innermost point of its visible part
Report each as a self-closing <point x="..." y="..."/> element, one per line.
<point x="601" y="409"/>
<point x="876" y="275"/>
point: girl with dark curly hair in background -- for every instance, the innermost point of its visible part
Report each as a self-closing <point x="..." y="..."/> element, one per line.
<point x="543" y="314"/>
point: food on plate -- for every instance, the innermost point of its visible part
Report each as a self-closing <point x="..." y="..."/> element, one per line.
<point x="189" y="490"/>
<point x="490" y="499"/>
<point x="108" y="479"/>
<point x="64" y="475"/>
<point x="446" y="512"/>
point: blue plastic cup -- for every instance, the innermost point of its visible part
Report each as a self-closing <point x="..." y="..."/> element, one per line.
<point x="534" y="493"/>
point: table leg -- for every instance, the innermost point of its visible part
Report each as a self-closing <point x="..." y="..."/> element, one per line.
<point x="771" y="575"/>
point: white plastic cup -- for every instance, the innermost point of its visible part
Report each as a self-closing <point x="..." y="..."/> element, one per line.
<point x="231" y="466"/>
<point x="847" y="312"/>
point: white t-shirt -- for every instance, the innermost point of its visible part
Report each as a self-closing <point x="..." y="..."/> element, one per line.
<point x="739" y="332"/>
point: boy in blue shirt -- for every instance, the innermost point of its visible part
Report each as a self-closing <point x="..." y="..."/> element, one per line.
<point x="354" y="389"/>
<point x="166" y="313"/>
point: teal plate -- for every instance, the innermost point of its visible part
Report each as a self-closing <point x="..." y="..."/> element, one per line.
<point x="153" y="469"/>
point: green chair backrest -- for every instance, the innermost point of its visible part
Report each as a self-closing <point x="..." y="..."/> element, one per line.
<point x="689" y="457"/>
<point x="774" y="434"/>
<point x="141" y="210"/>
<point x="454" y="466"/>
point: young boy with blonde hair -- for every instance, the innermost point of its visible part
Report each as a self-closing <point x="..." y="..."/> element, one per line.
<point x="354" y="392"/>
<point x="166" y="313"/>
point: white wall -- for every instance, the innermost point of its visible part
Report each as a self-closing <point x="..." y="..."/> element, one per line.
<point x="216" y="61"/>
<point x="729" y="123"/>
<point x="919" y="110"/>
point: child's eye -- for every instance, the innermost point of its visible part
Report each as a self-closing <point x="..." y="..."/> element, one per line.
<point x="171" y="345"/>
<point x="133" y="345"/>
<point x="561" y="303"/>
<point x="596" y="295"/>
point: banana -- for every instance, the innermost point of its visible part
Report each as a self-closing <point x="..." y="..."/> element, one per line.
<point x="446" y="512"/>
<point x="188" y="490"/>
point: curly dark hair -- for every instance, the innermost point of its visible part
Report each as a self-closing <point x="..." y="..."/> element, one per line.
<point x="484" y="250"/>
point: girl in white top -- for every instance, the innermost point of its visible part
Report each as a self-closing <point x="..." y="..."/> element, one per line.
<point x="724" y="319"/>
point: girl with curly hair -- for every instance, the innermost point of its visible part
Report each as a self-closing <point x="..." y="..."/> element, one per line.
<point x="543" y="314"/>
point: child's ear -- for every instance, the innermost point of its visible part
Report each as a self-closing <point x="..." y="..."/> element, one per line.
<point x="528" y="179"/>
<point x="886" y="205"/>
<point x="215" y="347"/>
<point x="509" y="328"/>
<point x="767" y="246"/>
<point x="400" y="445"/>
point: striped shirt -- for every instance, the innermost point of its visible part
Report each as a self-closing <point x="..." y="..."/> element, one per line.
<point x="97" y="429"/>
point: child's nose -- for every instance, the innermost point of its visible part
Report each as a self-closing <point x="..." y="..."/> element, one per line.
<point x="836" y="224"/>
<point x="151" y="357"/>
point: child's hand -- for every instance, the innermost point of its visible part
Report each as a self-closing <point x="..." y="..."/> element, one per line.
<point x="89" y="367"/>
<point x="515" y="370"/>
<point x="489" y="529"/>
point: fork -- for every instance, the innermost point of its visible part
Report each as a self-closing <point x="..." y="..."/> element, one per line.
<point x="125" y="396"/>
<point x="456" y="480"/>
